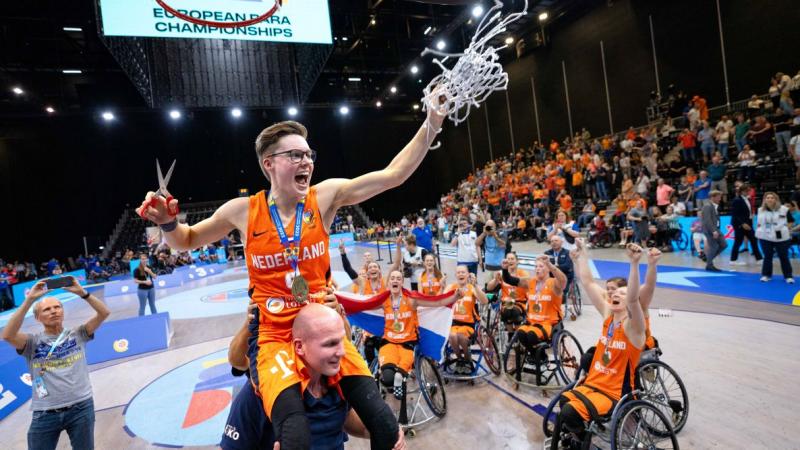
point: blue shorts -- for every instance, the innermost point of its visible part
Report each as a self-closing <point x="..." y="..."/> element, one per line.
<point x="248" y="426"/>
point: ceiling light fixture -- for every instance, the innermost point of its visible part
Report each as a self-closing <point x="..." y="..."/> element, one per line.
<point x="354" y="79"/>
<point x="509" y="40"/>
<point x="378" y="104"/>
<point x="416" y="106"/>
<point x="344" y="110"/>
<point x="236" y="112"/>
<point x="414" y="69"/>
<point x="292" y="111"/>
<point x="108" y="116"/>
<point x="440" y="44"/>
<point x="72" y="29"/>
<point x="393" y="90"/>
<point x="477" y="11"/>
<point x="17" y="90"/>
<point x="543" y="16"/>
<point x="344" y="38"/>
<point x="71" y="71"/>
<point x="427" y="30"/>
<point x="372" y="21"/>
<point x="175" y="114"/>
<point x="50" y="110"/>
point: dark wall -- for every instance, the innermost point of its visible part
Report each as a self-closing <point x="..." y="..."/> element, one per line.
<point x="65" y="177"/>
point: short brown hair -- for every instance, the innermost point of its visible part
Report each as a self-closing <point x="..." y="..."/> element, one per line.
<point x="272" y="134"/>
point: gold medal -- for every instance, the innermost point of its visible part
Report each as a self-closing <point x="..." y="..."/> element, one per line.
<point x="461" y="309"/>
<point x="300" y="289"/>
<point x="398" y="326"/>
<point x="606" y="357"/>
<point x="513" y="294"/>
<point x="536" y="307"/>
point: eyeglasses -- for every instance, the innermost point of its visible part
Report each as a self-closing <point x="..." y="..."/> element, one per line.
<point x="296" y="156"/>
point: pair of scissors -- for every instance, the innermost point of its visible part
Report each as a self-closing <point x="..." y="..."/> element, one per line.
<point x="162" y="190"/>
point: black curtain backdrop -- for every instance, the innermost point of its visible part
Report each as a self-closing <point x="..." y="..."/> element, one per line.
<point x="71" y="175"/>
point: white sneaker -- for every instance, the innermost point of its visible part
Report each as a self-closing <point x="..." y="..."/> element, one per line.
<point x="765" y="279"/>
<point x="790" y="280"/>
<point x="738" y="263"/>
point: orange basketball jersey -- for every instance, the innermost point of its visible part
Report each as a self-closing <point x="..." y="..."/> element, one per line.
<point x="401" y="325"/>
<point x="367" y="289"/>
<point x="546" y="307"/>
<point x="269" y="269"/>
<point x="464" y="309"/>
<point x="430" y="285"/>
<point x="610" y="373"/>
<point x="517" y="294"/>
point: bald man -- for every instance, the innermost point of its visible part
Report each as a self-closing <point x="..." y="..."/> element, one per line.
<point x="62" y="394"/>
<point x="318" y="335"/>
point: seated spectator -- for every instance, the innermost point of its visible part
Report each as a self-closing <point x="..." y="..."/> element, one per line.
<point x="760" y="135"/>
<point x="587" y="213"/>
<point x="747" y="164"/>
<point x="698" y="238"/>
<point x="678" y="208"/>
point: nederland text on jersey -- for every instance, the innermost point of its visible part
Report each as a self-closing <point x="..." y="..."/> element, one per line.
<point x="278" y="260"/>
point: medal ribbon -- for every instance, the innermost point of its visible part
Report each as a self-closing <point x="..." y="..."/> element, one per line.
<point x="609" y="335"/>
<point x="290" y="250"/>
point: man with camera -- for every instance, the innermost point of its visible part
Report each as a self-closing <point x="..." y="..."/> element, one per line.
<point x="62" y="394"/>
<point x="495" y="245"/>
<point x="467" y="253"/>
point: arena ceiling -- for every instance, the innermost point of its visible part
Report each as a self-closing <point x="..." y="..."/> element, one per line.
<point x="376" y="43"/>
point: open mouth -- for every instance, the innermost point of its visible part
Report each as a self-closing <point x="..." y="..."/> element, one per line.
<point x="302" y="179"/>
<point x="615" y="302"/>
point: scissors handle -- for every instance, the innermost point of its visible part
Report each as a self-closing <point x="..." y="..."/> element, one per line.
<point x="172" y="211"/>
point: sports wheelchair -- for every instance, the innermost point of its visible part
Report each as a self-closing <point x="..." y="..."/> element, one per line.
<point x="422" y="397"/>
<point x="660" y="385"/>
<point x="485" y="357"/>
<point x="555" y="360"/>
<point x="633" y="423"/>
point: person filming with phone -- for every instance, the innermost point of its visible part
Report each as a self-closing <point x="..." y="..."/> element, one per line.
<point x="56" y="356"/>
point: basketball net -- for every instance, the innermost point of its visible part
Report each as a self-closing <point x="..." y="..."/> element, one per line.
<point x="476" y="73"/>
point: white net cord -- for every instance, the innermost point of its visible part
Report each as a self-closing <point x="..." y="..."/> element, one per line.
<point x="476" y="73"/>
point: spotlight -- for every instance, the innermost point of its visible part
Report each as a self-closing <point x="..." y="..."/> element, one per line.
<point x="416" y="106"/>
<point x="393" y="90"/>
<point x="344" y="110"/>
<point x="353" y="78"/>
<point x="71" y="71"/>
<point x="18" y="90"/>
<point x="378" y="104"/>
<point x="427" y="30"/>
<point x="236" y="112"/>
<point x="543" y="16"/>
<point x="477" y="11"/>
<point x="175" y="114"/>
<point x="50" y="110"/>
<point x="108" y="116"/>
<point x="414" y="69"/>
<point x="344" y="38"/>
<point x="72" y="29"/>
<point x="292" y="111"/>
<point x="372" y="21"/>
<point x="440" y="45"/>
<point x="509" y="40"/>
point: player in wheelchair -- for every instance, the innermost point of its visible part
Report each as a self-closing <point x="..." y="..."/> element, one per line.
<point x="659" y="382"/>
<point x="462" y="360"/>
<point x="606" y="394"/>
<point x="512" y="301"/>
<point x="527" y="351"/>
<point x="399" y="358"/>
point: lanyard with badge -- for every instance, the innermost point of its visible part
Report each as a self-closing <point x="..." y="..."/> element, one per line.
<point x="292" y="251"/>
<point x="38" y="380"/>
<point x="609" y="335"/>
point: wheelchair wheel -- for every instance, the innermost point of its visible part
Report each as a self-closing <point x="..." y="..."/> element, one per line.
<point x="489" y="350"/>
<point x="604" y="240"/>
<point x="550" y="414"/>
<point x="638" y="424"/>
<point x="661" y="386"/>
<point x="513" y="358"/>
<point x="681" y="240"/>
<point x="567" y="352"/>
<point x="431" y="385"/>
<point x="574" y="298"/>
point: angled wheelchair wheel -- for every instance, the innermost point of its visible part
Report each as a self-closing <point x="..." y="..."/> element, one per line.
<point x="661" y="386"/>
<point x="567" y="352"/>
<point x="550" y="414"/>
<point x="489" y="350"/>
<point x="575" y="302"/>
<point x="431" y="385"/>
<point x="513" y="358"/>
<point x="640" y="425"/>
